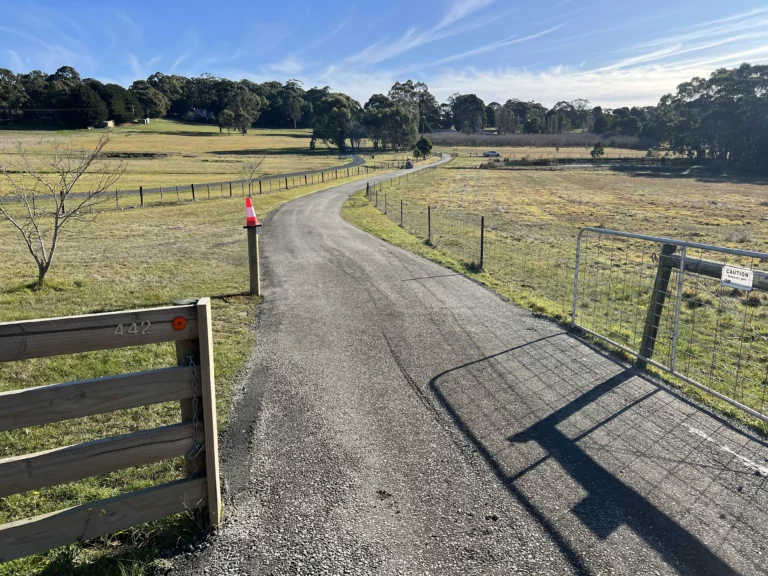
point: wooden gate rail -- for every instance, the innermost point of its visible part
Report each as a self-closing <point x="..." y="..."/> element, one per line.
<point x="189" y="326"/>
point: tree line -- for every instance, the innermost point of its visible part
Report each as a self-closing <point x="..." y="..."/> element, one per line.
<point x="722" y="117"/>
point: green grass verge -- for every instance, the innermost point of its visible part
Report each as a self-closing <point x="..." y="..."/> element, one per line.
<point x="128" y="259"/>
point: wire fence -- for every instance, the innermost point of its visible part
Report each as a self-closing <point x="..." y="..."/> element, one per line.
<point x="163" y="195"/>
<point x="668" y="303"/>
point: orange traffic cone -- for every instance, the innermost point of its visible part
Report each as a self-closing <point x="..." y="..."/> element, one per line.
<point x="250" y="214"/>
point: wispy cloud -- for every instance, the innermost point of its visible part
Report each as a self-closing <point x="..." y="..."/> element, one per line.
<point x="125" y="19"/>
<point x="491" y="47"/>
<point x="323" y="39"/>
<point x="142" y="70"/>
<point x="290" y="65"/>
<point x="412" y="38"/>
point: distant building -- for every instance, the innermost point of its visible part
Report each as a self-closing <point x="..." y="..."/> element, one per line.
<point x="143" y="120"/>
<point x="107" y="124"/>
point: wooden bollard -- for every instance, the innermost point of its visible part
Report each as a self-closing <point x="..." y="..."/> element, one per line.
<point x="253" y="259"/>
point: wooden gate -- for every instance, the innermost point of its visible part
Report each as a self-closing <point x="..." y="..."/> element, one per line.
<point x="191" y="382"/>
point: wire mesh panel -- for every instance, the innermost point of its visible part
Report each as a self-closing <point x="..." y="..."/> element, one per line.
<point x="699" y="312"/>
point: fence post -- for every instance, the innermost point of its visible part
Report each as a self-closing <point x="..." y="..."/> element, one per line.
<point x="401" y="212"/>
<point x="177" y="194"/>
<point x="429" y="224"/>
<point x="253" y="259"/>
<point x="161" y="194"/>
<point x="260" y="187"/>
<point x="286" y="183"/>
<point x="208" y="186"/>
<point x="193" y="192"/>
<point x="678" y="303"/>
<point x="207" y="381"/>
<point x="656" y="308"/>
<point x="117" y="202"/>
<point x="230" y="189"/>
<point x="368" y="190"/>
<point x="482" y="242"/>
<point x="141" y="195"/>
<point x="385" y="203"/>
<point x="322" y="176"/>
<point x="242" y="190"/>
<point x="305" y="179"/>
<point x="377" y="196"/>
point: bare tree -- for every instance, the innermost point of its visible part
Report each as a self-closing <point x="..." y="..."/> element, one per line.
<point x="37" y="192"/>
<point x="248" y="169"/>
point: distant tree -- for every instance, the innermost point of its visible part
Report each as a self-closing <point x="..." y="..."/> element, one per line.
<point x="424" y="146"/>
<point x="602" y="124"/>
<point x="333" y="117"/>
<point x="468" y="112"/>
<point x="598" y="151"/>
<point x="246" y="107"/>
<point x="83" y="108"/>
<point x="446" y="116"/>
<point x="532" y="126"/>
<point x="373" y="118"/>
<point x="491" y="114"/>
<point x="631" y="126"/>
<point x="12" y="94"/>
<point x="154" y="103"/>
<point x="226" y="119"/>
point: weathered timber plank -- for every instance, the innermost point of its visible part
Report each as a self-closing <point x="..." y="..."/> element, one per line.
<point x="208" y="384"/>
<point x="41" y="469"/>
<point x="46" y="404"/>
<point x="73" y="334"/>
<point x="715" y="270"/>
<point x="41" y="533"/>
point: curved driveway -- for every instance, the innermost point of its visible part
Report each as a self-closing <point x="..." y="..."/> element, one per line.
<point x="401" y="419"/>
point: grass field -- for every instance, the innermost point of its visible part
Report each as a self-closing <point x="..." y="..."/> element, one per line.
<point x="472" y="156"/>
<point x="532" y="218"/>
<point x="167" y="152"/>
<point x="127" y="259"/>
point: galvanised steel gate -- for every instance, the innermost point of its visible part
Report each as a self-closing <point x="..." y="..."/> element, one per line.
<point x="696" y="311"/>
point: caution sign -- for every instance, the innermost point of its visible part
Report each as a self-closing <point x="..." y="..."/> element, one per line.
<point x="735" y="277"/>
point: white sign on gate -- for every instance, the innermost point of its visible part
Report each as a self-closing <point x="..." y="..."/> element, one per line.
<point x="735" y="277"/>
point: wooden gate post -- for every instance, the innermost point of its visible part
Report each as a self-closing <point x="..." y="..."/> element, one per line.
<point x="656" y="307"/>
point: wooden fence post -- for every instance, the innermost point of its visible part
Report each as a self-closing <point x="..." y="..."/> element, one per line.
<point x="260" y="187"/>
<point x="193" y="192"/>
<point x="141" y="196"/>
<point x="401" y="212"/>
<point x="117" y="202"/>
<point x="230" y="189"/>
<point x="656" y="307"/>
<point x="208" y="383"/>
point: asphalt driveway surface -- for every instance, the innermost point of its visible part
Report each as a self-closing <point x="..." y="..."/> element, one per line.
<point x="400" y="419"/>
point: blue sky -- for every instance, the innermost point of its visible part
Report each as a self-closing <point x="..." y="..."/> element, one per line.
<point x="612" y="52"/>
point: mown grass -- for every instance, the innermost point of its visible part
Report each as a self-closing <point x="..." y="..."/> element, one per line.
<point x="531" y="222"/>
<point x="168" y="153"/>
<point x="127" y="259"/>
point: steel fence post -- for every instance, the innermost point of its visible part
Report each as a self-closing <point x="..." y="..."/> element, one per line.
<point x="678" y="303"/>
<point x="429" y="224"/>
<point x="482" y="241"/>
<point x="576" y="278"/>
